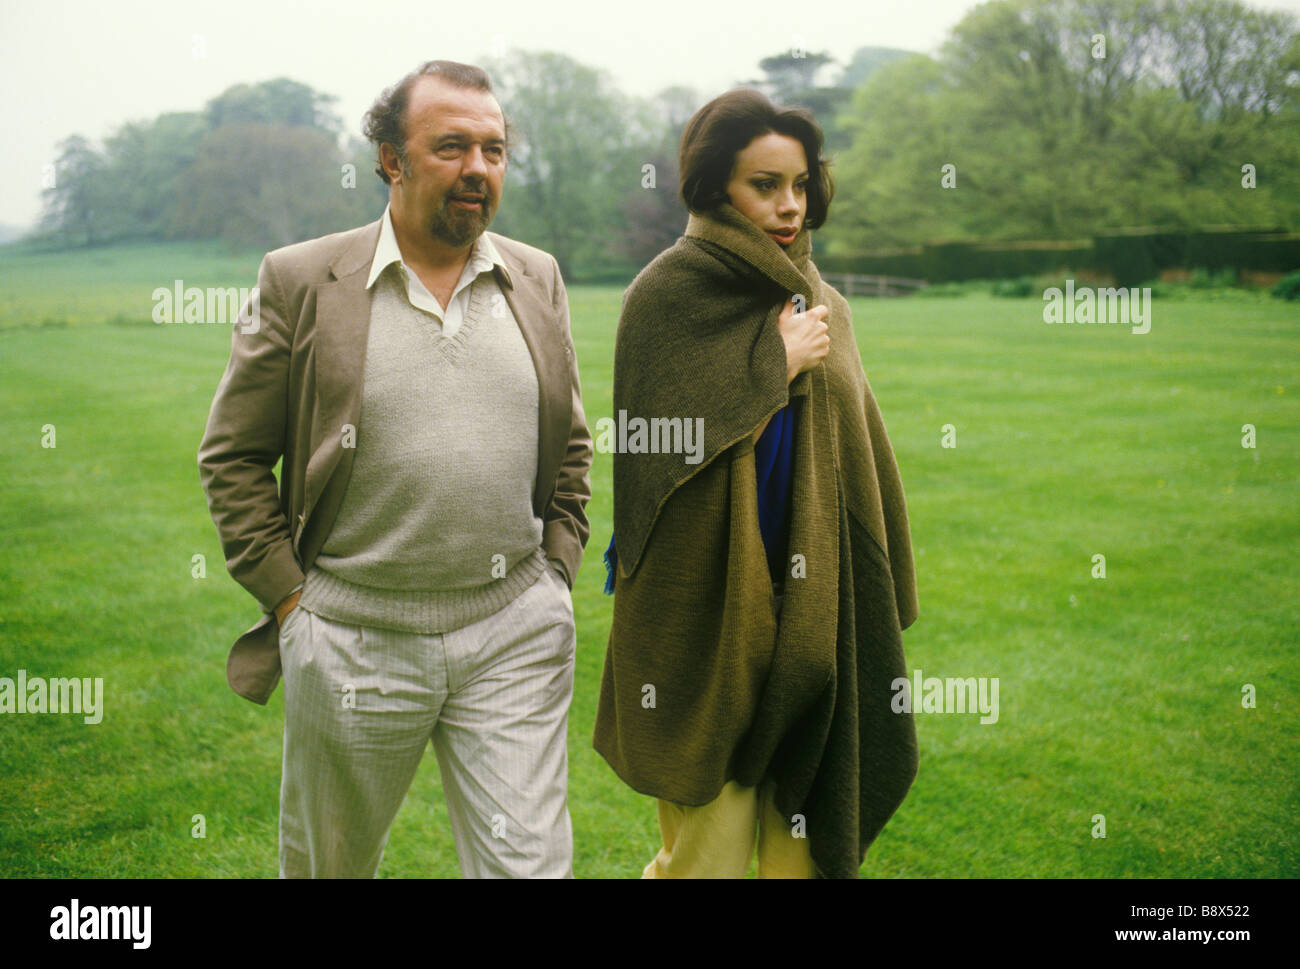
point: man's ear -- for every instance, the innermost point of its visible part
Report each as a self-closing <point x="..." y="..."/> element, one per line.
<point x="391" y="164"/>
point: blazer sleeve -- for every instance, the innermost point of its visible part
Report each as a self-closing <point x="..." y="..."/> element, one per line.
<point x="565" y="528"/>
<point x="244" y="439"/>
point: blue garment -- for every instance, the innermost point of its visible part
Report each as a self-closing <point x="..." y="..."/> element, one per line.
<point x="773" y="470"/>
<point x="611" y="566"/>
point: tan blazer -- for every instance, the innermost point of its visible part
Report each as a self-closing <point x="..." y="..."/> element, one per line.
<point x="294" y="381"/>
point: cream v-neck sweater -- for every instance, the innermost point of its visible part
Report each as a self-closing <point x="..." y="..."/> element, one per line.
<point x="436" y="529"/>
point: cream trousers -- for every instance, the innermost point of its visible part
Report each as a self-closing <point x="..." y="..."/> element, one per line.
<point x="361" y="705"/>
<point x="716" y="840"/>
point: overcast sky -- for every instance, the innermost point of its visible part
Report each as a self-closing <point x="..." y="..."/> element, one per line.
<point x="86" y="67"/>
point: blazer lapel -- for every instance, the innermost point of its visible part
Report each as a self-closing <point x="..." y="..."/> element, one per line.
<point x="342" y="327"/>
<point x="525" y="293"/>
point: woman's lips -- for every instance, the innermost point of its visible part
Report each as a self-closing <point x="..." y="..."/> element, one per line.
<point x="787" y="236"/>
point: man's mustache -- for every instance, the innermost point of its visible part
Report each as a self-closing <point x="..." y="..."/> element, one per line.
<point x="471" y="189"/>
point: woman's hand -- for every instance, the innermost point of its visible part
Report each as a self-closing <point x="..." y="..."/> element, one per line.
<point x="807" y="337"/>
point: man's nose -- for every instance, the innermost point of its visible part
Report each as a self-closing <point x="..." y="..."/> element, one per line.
<point x="474" y="163"/>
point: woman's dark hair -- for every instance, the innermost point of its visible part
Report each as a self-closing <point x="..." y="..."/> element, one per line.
<point x="725" y="126"/>
<point x="385" y="122"/>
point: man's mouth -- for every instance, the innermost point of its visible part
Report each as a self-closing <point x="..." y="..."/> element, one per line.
<point x="469" y="200"/>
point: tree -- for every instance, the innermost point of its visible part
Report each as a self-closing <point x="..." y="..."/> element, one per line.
<point x="903" y="124"/>
<point x="74" y="205"/>
<point x="206" y="174"/>
<point x="1065" y="117"/>
<point x="578" y="151"/>
<point x="790" y="75"/>
<point x="276" y="102"/>
<point x="266" y="186"/>
<point x="790" y="80"/>
<point x="146" y="161"/>
<point x="865" y="62"/>
<point x="653" y="212"/>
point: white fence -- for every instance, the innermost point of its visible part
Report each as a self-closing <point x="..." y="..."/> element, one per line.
<point x="854" y="284"/>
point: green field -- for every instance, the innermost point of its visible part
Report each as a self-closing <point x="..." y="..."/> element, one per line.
<point x="1119" y="696"/>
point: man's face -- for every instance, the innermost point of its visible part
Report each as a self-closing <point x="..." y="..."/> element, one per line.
<point x="455" y="166"/>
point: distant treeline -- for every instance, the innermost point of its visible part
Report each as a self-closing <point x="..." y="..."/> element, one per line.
<point x="1039" y="119"/>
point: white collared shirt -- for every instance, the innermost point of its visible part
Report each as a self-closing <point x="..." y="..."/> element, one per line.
<point x="483" y="256"/>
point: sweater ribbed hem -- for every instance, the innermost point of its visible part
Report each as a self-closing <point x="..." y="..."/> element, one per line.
<point x="418" y="610"/>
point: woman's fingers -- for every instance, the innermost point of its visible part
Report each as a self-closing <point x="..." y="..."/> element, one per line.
<point x="806" y="335"/>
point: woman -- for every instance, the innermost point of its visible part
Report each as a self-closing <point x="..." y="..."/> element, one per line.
<point x="761" y="587"/>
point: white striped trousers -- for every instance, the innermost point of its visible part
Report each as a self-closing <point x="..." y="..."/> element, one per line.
<point x="361" y="704"/>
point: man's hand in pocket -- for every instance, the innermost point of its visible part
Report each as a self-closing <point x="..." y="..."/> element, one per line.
<point x="286" y="606"/>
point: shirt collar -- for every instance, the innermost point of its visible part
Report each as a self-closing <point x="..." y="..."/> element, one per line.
<point x="483" y="256"/>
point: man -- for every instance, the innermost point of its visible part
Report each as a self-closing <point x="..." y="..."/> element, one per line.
<point x="418" y="377"/>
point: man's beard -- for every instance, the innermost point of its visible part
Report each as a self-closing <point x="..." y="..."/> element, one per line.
<point x="458" y="227"/>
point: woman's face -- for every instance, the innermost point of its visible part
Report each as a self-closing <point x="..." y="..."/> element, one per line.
<point x="769" y="185"/>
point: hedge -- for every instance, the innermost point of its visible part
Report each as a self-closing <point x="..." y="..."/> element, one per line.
<point x="1128" y="257"/>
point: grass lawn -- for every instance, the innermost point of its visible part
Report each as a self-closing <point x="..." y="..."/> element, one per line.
<point x="1119" y="696"/>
